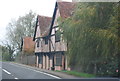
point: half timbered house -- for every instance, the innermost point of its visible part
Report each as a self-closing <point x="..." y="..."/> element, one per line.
<point x="58" y="45"/>
<point x="49" y="46"/>
<point x="41" y="41"/>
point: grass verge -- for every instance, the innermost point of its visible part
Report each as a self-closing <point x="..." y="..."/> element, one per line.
<point x="79" y="74"/>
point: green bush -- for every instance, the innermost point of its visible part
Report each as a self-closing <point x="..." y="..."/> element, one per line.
<point x="92" y="37"/>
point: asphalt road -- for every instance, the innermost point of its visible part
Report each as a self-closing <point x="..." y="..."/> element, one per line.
<point x="15" y="71"/>
<point x="11" y="70"/>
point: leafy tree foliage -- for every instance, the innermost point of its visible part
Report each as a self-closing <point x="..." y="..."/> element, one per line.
<point x="17" y="29"/>
<point x="7" y="53"/>
<point x="93" y="38"/>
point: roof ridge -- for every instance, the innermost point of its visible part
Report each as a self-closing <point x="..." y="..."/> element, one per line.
<point x="44" y="16"/>
<point x="66" y="8"/>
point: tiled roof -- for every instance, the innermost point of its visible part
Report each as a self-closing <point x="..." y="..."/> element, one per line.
<point x="44" y="24"/>
<point x="28" y="45"/>
<point x="66" y="8"/>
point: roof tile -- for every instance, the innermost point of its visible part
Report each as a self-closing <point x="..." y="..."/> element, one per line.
<point x="44" y="24"/>
<point x="66" y="8"/>
<point x="28" y="44"/>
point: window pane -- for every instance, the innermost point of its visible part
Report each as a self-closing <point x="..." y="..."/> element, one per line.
<point x="40" y="59"/>
<point x="46" y="41"/>
<point x="58" y="59"/>
<point x="57" y="36"/>
<point x="37" y="43"/>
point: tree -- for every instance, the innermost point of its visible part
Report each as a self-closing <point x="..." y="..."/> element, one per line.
<point x="17" y="29"/>
<point x="7" y="52"/>
<point x="92" y="37"/>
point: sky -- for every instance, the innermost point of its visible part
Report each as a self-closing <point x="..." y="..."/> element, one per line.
<point x="12" y="9"/>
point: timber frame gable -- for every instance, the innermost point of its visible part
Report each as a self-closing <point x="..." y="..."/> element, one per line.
<point x="50" y="54"/>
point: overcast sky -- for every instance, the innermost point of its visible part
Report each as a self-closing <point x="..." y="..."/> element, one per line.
<point x="12" y="9"/>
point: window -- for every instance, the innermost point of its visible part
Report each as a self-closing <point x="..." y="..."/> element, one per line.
<point x="40" y="59"/>
<point x="58" y="59"/>
<point x="37" y="43"/>
<point x="57" y="36"/>
<point x="46" y="40"/>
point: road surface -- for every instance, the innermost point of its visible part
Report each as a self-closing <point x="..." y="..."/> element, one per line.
<point x="16" y="71"/>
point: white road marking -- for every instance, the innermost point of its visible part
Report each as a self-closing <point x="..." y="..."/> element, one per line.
<point x="6" y="71"/>
<point x="15" y="78"/>
<point x="52" y="75"/>
<point x="47" y="74"/>
<point x="37" y="71"/>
